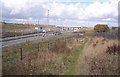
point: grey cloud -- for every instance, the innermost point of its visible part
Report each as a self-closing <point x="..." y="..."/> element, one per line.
<point x="35" y="12"/>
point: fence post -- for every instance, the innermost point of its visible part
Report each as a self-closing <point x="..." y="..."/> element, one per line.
<point x="21" y="53"/>
<point x="65" y="40"/>
<point x="38" y="47"/>
<point x="48" y="45"/>
<point x="51" y="47"/>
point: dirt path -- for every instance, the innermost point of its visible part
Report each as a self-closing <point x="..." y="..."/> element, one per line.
<point x="81" y="66"/>
<point x="75" y="60"/>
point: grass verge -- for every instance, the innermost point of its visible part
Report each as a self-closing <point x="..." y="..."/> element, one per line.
<point x="74" y="59"/>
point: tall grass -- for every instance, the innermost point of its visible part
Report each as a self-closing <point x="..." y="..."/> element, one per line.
<point x="102" y="59"/>
<point x="113" y="49"/>
<point x="43" y="57"/>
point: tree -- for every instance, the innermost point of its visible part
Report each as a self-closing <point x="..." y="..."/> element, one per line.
<point x="101" y="28"/>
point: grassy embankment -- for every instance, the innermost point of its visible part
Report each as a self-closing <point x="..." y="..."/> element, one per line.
<point x="101" y="56"/>
<point x="98" y="56"/>
<point x="12" y="29"/>
<point x="75" y="58"/>
<point x="53" y="56"/>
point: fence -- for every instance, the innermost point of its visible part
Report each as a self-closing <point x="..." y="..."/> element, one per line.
<point x="109" y="35"/>
<point x="18" y="54"/>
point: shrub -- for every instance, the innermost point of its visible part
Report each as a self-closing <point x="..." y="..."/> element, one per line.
<point x="101" y="28"/>
<point x="94" y="45"/>
<point x="113" y="49"/>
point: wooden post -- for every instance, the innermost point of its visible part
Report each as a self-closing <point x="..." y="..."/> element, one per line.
<point x="41" y="46"/>
<point x="77" y="40"/>
<point x="21" y="54"/>
<point x="51" y="47"/>
<point x="48" y="45"/>
<point x="65" y="40"/>
<point x="38" y="47"/>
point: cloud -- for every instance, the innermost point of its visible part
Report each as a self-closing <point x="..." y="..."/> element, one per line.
<point x="106" y="11"/>
<point x="96" y="10"/>
<point x="21" y="4"/>
<point x="23" y="8"/>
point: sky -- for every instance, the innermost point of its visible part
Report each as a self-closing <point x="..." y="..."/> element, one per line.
<point x="61" y="12"/>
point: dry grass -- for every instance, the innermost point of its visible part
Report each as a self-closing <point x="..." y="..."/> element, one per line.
<point x="97" y="61"/>
<point x="12" y="29"/>
<point x="53" y="58"/>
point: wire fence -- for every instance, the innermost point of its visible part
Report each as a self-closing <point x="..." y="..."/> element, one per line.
<point x="113" y="34"/>
<point x="15" y="55"/>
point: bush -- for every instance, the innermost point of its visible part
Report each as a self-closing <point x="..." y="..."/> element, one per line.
<point x="101" y="28"/>
<point x="113" y="49"/>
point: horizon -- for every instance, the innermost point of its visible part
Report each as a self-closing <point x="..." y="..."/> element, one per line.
<point x="59" y="25"/>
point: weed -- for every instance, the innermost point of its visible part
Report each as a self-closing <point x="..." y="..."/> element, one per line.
<point x="113" y="49"/>
<point x="94" y="44"/>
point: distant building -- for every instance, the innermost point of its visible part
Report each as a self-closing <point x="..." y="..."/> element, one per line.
<point x="68" y="28"/>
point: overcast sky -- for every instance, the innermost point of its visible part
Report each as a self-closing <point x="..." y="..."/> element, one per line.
<point x="61" y="12"/>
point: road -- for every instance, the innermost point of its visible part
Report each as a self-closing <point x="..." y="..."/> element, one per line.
<point x="21" y="39"/>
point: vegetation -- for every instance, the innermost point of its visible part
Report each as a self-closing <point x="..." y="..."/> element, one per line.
<point x="101" y="28"/>
<point x="92" y="54"/>
<point x="44" y="57"/>
<point x="75" y="58"/>
<point x="114" y="49"/>
<point x="99" y="59"/>
<point x="14" y="29"/>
